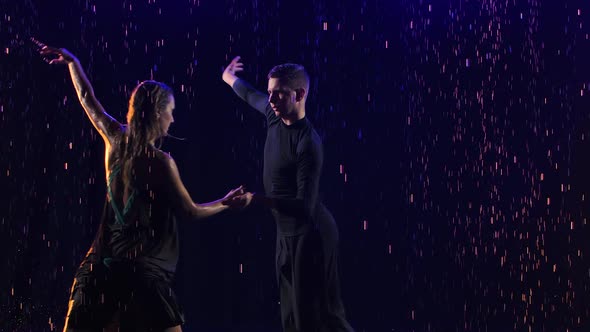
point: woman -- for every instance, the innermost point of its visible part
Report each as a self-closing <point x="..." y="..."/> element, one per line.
<point x="124" y="282"/>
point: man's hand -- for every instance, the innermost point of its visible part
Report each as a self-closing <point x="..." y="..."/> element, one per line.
<point x="229" y="74"/>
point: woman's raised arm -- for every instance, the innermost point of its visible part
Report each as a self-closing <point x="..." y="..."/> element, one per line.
<point x="107" y="126"/>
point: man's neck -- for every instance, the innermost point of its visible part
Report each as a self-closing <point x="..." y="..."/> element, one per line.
<point x="290" y="119"/>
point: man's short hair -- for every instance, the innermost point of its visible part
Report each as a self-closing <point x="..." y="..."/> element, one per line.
<point x="292" y="74"/>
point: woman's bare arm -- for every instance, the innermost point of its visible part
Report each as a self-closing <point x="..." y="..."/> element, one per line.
<point x="106" y="125"/>
<point x="182" y="199"/>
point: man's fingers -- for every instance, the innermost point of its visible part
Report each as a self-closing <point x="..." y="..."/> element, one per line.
<point x="235" y="68"/>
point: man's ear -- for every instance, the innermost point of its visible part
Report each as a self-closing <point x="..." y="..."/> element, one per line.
<point x="300" y="94"/>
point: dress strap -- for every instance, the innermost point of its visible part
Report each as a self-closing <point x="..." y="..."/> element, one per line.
<point x="118" y="215"/>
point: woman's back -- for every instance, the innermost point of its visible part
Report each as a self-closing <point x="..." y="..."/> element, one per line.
<point x="139" y="223"/>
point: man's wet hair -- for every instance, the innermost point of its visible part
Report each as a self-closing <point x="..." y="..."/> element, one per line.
<point x="291" y="74"/>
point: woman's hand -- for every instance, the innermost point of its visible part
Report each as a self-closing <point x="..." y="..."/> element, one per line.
<point x="237" y="198"/>
<point x="231" y="195"/>
<point x="57" y="56"/>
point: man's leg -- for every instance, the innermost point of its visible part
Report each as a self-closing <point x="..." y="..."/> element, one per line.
<point x="308" y="281"/>
<point x="333" y="316"/>
<point x="284" y="270"/>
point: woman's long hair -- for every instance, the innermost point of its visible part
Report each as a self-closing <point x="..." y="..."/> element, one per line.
<point x="147" y="100"/>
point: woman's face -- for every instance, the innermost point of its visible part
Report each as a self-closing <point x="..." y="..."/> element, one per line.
<point x="166" y="118"/>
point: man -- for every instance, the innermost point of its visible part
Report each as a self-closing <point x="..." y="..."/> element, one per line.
<point x="307" y="236"/>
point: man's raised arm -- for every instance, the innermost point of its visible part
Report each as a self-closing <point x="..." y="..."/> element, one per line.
<point x="243" y="89"/>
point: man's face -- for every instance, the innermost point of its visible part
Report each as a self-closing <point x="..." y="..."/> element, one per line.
<point x="282" y="98"/>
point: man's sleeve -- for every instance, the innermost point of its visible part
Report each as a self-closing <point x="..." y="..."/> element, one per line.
<point x="254" y="98"/>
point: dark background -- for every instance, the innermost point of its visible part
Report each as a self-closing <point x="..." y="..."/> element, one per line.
<point x="456" y="154"/>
